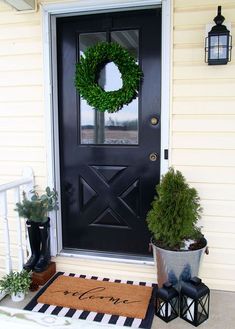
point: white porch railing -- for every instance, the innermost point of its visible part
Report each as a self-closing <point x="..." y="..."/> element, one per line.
<point x="25" y="183"/>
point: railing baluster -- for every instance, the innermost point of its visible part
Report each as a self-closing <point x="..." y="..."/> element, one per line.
<point x="28" y="173"/>
<point x="3" y="200"/>
<point x="27" y="183"/>
<point x="19" y="233"/>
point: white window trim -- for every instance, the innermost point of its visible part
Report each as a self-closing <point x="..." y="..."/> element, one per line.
<point x="51" y="106"/>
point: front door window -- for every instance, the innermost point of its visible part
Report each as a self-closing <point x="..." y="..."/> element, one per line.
<point x="110" y="128"/>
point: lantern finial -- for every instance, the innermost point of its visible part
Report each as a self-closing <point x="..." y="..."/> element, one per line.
<point x="219" y="19"/>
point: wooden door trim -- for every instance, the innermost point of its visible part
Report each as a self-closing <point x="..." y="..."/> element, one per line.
<point x="49" y="13"/>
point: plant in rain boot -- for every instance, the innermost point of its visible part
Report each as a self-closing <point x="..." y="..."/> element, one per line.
<point x="34" y="241"/>
<point x="45" y="255"/>
<point x="35" y="208"/>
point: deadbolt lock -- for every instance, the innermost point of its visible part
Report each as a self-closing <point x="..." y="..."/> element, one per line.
<point x="153" y="157"/>
<point x="154" y="121"/>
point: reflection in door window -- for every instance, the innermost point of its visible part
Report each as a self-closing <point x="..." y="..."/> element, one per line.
<point x="110" y="128"/>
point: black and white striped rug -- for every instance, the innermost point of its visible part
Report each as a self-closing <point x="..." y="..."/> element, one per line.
<point x="34" y="306"/>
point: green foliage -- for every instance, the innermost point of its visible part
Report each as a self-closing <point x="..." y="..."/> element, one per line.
<point x="87" y="74"/>
<point x="37" y="207"/>
<point x="16" y="282"/>
<point x="175" y="211"/>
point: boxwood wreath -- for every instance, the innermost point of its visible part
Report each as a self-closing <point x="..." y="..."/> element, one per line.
<point x="88" y="71"/>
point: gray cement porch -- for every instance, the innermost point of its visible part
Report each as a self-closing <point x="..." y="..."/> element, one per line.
<point x="222" y="313"/>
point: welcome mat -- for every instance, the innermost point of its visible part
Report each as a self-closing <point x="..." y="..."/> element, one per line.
<point x="69" y="286"/>
<point x="98" y="296"/>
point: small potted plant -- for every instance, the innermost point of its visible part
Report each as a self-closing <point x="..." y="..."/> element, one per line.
<point x="178" y="242"/>
<point x="16" y="284"/>
<point x="35" y="210"/>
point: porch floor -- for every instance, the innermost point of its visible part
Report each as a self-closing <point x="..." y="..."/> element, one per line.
<point x="222" y="312"/>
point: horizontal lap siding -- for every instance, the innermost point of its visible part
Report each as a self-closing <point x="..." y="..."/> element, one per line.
<point x="115" y="270"/>
<point x="203" y="132"/>
<point x="22" y="121"/>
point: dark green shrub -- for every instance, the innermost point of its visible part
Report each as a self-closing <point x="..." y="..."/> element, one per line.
<point x="175" y="211"/>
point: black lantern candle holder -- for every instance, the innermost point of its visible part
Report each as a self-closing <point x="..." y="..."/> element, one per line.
<point x="218" y="44"/>
<point x="194" y="301"/>
<point x="167" y="302"/>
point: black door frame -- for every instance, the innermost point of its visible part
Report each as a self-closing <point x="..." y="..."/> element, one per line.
<point x="50" y="12"/>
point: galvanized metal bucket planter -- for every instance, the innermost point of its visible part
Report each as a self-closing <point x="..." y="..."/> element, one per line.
<point x="177" y="266"/>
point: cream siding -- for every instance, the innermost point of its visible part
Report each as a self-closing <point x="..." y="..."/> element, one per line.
<point x="203" y="131"/>
<point x="202" y="142"/>
<point x="22" y="126"/>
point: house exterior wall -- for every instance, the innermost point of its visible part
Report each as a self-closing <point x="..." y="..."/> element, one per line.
<point x="22" y="127"/>
<point x="202" y="133"/>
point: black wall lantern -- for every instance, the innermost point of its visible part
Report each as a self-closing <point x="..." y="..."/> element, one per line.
<point x="218" y="45"/>
<point x="194" y="301"/>
<point x="167" y="302"/>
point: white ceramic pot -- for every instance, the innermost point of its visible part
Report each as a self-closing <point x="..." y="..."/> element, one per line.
<point x="18" y="297"/>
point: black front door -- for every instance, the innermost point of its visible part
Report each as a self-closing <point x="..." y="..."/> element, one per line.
<point x="110" y="163"/>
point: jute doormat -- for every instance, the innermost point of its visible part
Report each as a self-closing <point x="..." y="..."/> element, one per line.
<point x="99" y="317"/>
<point x="98" y="296"/>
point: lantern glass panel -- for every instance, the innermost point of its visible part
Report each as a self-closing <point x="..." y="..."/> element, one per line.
<point x="203" y="309"/>
<point x="187" y="308"/>
<point x="190" y="309"/>
<point x="167" y="310"/>
<point x="223" y="46"/>
<point x="194" y="311"/>
<point x="213" y="46"/>
<point x="219" y="47"/>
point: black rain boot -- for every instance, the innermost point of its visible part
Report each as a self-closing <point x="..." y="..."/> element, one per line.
<point x="45" y="254"/>
<point x="34" y="241"/>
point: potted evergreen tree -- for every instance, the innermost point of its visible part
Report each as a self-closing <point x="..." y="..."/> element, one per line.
<point x="35" y="210"/>
<point x="177" y="242"/>
<point x="16" y="284"/>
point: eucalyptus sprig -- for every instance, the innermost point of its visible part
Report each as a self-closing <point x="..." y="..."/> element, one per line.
<point x="36" y="207"/>
<point x="87" y="75"/>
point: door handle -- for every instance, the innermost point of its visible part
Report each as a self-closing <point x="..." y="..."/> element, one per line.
<point x="154" y="121"/>
<point x="153" y="156"/>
